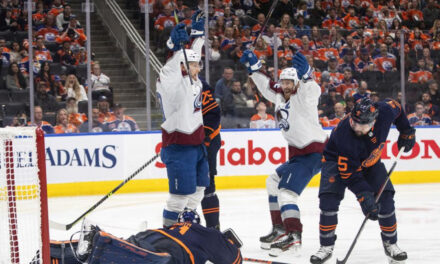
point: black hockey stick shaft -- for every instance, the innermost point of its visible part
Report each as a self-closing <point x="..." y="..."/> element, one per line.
<point x="269" y="14"/>
<point x="183" y="46"/>
<point x="379" y="194"/>
<point x="69" y="226"/>
<point x="263" y="261"/>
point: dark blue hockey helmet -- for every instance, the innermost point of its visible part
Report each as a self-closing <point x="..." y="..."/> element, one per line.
<point x="364" y="111"/>
<point x="189" y="215"/>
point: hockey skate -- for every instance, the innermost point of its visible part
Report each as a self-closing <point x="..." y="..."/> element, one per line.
<point x="324" y="253"/>
<point x="87" y="233"/>
<point x="276" y="233"/>
<point x="290" y="242"/>
<point x="394" y="253"/>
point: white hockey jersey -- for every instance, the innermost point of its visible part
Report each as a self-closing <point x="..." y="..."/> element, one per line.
<point x="298" y="116"/>
<point x="181" y="106"/>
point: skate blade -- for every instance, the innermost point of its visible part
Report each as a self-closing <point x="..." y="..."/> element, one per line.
<point x="265" y="246"/>
<point x="293" y="251"/>
<point x="393" y="261"/>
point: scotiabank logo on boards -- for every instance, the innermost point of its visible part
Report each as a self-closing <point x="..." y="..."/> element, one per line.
<point x="251" y="154"/>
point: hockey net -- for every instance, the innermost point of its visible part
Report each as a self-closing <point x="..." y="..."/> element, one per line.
<point x="24" y="231"/>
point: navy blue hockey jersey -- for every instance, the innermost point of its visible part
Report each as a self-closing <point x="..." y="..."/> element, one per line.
<point x="353" y="153"/>
<point x="210" y="110"/>
<point x="203" y="244"/>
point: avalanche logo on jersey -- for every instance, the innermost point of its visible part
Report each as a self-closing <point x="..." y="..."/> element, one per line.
<point x="282" y="116"/>
<point x="198" y="103"/>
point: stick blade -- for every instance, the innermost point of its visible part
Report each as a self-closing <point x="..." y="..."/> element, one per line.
<point x="340" y="261"/>
<point x="57" y="226"/>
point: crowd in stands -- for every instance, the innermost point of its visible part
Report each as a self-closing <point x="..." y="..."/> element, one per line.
<point x="59" y="70"/>
<point x="353" y="45"/>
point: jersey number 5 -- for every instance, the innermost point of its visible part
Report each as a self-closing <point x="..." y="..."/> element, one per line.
<point x="342" y="163"/>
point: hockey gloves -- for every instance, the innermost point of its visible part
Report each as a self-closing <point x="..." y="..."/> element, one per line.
<point x="407" y="139"/>
<point x="368" y="205"/>
<point x="178" y="37"/>
<point x="250" y="60"/>
<point x="198" y="24"/>
<point x="299" y="62"/>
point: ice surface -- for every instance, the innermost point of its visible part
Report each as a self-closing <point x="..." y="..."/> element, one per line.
<point x="247" y="212"/>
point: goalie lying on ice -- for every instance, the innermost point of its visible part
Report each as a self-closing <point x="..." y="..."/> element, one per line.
<point x="184" y="242"/>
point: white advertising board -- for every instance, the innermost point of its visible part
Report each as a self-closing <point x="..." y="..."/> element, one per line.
<point x="105" y="157"/>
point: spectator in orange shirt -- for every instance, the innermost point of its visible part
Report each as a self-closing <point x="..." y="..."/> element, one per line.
<point x="336" y="117"/>
<point x="351" y="20"/>
<point x="104" y="110"/>
<point x="348" y="85"/>
<point x="65" y="55"/>
<point x="261" y="119"/>
<point x="74" y="117"/>
<point x="39" y="122"/>
<point x="286" y="50"/>
<point x="335" y="76"/>
<point x="256" y="29"/>
<point x="57" y="8"/>
<point x="63" y="125"/>
<point x="49" y="30"/>
<point x="262" y="49"/>
<point x="332" y="20"/>
<point x="326" y="51"/>
<point x="417" y="40"/>
<point x="385" y="61"/>
<point x="419" y="75"/>
<point x="306" y="47"/>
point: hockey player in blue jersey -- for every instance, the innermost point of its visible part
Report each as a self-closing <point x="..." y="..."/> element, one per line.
<point x="211" y="122"/>
<point x="179" y="91"/>
<point x="353" y="160"/>
<point x="296" y="99"/>
<point x="186" y="242"/>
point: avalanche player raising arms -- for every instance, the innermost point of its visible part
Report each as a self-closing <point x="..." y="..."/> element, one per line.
<point x="352" y="159"/>
<point x="296" y="103"/>
<point x="182" y="151"/>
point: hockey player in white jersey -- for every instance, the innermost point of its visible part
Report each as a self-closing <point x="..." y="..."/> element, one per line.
<point x="183" y="150"/>
<point x="296" y="98"/>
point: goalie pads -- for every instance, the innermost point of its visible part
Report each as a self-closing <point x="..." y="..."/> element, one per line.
<point x="110" y="249"/>
<point x="60" y="252"/>
<point x="232" y="237"/>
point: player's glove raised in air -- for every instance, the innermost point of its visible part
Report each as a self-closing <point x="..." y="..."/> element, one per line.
<point x="368" y="205"/>
<point x="250" y="60"/>
<point x="407" y="139"/>
<point x="178" y="37"/>
<point x="198" y="24"/>
<point x="299" y="62"/>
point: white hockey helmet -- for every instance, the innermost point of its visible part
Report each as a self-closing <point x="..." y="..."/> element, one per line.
<point x="289" y="74"/>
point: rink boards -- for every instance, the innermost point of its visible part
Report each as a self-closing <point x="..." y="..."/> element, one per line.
<point x="84" y="164"/>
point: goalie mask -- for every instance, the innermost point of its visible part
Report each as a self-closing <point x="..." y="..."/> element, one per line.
<point x="189" y="215"/>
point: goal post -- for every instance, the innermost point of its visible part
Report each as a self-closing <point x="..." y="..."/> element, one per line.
<point x="24" y="228"/>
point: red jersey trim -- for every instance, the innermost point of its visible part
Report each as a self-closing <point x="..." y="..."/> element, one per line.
<point x="176" y="137"/>
<point x="315" y="147"/>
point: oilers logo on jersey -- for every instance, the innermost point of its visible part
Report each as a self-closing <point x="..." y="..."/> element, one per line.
<point x="282" y="115"/>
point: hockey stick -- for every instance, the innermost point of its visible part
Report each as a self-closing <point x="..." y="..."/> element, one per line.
<point x="64" y="227"/>
<point x="183" y="50"/>
<point x="263" y="261"/>
<point x="269" y="14"/>
<point x="382" y="188"/>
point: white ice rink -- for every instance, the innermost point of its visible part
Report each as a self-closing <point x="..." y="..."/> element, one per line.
<point x="246" y="211"/>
